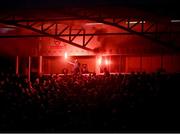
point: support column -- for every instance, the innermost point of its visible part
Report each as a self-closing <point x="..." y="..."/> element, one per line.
<point x="141" y="68"/>
<point x="120" y="64"/>
<point x="161" y="61"/>
<point x="17" y="65"/>
<point x="97" y="64"/>
<point x="40" y="65"/>
<point x="109" y="64"/>
<point x="29" y="68"/>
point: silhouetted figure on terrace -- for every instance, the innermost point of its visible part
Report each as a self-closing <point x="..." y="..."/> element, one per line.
<point x="84" y="69"/>
<point x="106" y="72"/>
<point x="65" y="71"/>
<point x="76" y="66"/>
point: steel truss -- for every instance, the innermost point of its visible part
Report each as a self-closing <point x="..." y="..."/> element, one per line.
<point x="164" y="32"/>
<point x="54" y="31"/>
<point x="157" y="30"/>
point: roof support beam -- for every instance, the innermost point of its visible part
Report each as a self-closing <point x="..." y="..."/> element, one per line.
<point x="42" y="32"/>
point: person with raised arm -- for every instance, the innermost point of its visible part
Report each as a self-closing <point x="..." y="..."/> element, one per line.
<point x="76" y="66"/>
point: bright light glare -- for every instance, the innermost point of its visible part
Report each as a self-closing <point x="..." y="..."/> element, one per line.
<point x="6" y="29"/>
<point x="106" y="62"/>
<point x="91" y="24"/>
<point x="65" y="55"/>
<point x="134" y="22"/>
<point x="100" y="60"/>
<point x="174" y="21"/>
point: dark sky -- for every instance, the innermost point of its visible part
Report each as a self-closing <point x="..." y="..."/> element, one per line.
<point x="58" y="3"/>
<point x="169" y="7"/>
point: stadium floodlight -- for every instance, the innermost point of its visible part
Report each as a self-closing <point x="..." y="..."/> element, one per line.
<point x="175" y="21"/>
<point x="92" y="24"/>
<point x="134" y="22"/>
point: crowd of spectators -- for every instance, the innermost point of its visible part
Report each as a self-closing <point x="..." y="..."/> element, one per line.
<point x="136" y="102"/>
